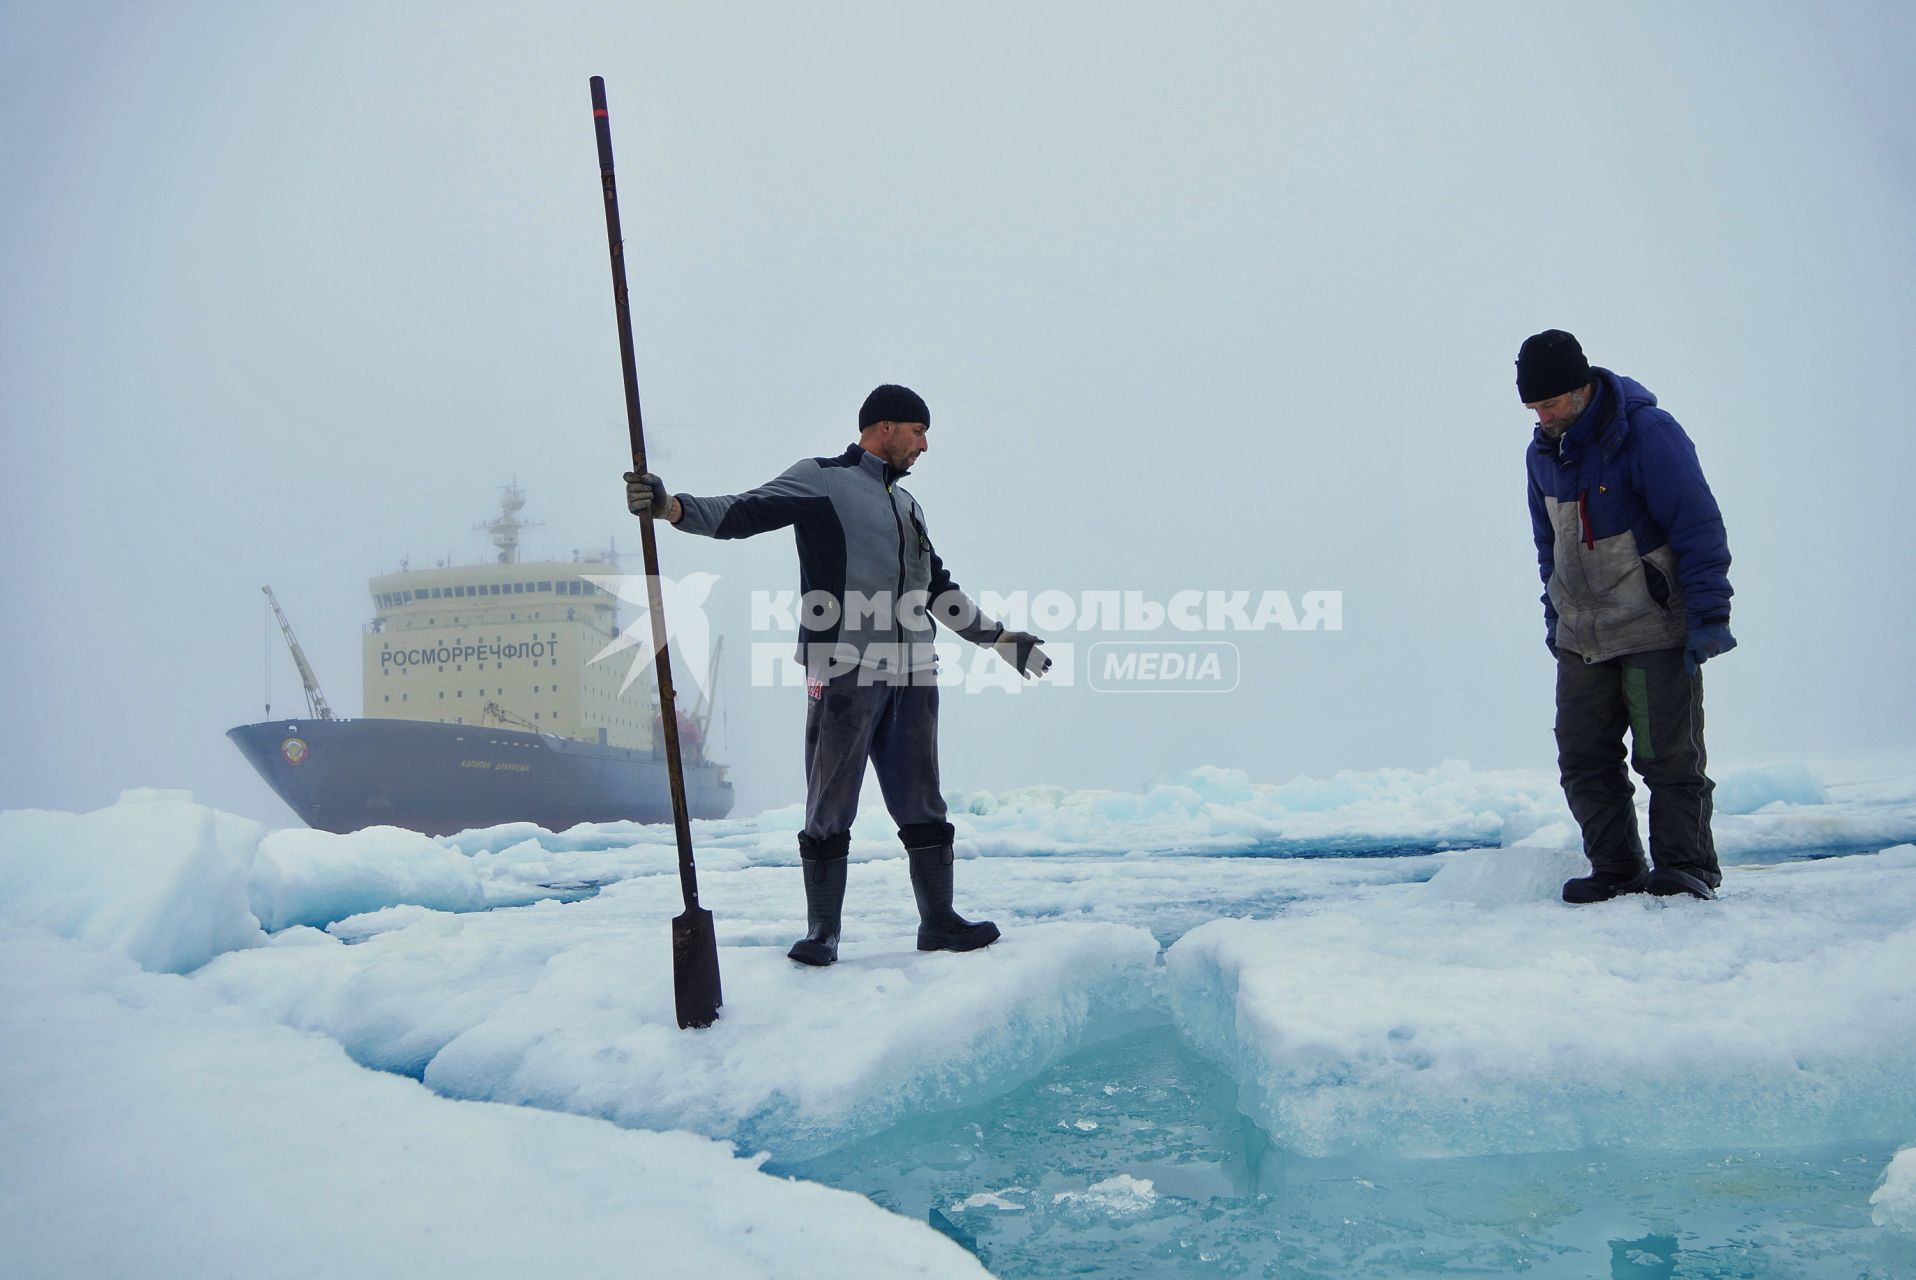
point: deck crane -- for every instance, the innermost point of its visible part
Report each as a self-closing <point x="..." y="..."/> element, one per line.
<point x="315" y="700"/>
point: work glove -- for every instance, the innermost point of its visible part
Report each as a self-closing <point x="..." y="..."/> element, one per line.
<point x="1710" y="640"/>
<point x="645" y="491"/>
<point x="1023" y="651"/>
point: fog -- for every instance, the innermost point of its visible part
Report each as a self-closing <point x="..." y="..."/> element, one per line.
<point x="1212" y="296"/>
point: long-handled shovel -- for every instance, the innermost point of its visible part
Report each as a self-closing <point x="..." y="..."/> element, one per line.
<point x="695" y="971"/>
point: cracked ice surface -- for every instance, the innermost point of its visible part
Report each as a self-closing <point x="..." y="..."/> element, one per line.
<point x="153" y="1130"/>
<point x="1410" y="1004"/>
<point x="1475" y="1014"/>
<point x="569" y="1008"/>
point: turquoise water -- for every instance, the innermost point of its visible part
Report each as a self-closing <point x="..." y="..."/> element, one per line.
<point x="1049" y="1181"/>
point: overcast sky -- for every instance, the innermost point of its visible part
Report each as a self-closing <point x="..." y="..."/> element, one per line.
<point x="1202" y="296"/>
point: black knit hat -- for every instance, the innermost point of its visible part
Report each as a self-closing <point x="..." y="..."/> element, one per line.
<point x="893" y="403"/>
<point x="1549" y="364"/>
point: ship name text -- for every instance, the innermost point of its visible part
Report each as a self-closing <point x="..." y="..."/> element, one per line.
<point x="481" y="652"/>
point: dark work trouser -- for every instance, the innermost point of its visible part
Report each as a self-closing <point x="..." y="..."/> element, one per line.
<point x="1661" y="705"/>
<point x="895" y="726"/>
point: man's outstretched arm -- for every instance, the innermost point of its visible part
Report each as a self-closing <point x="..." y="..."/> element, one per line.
<point x="786" y="499"/>
<point x="958" y="612"/>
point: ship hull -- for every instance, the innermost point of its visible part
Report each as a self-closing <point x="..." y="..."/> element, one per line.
<point x="345" y="775"/>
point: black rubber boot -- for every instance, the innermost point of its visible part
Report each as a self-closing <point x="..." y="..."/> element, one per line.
<point x="824" y="901"/>
<point x="1669" y="882"/>
<point x="1601" y="886"/>
<point x="939" y="927"/>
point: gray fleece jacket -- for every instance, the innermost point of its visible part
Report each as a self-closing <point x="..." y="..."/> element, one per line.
<point x="870" y="583"/>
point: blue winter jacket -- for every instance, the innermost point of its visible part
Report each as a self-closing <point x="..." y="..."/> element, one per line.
<point x="1630" y="543"/>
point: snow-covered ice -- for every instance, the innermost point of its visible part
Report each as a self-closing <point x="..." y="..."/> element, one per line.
<point x="571" y="1009"/>
<point x="1477" y="1015"/>
<point x="1895" y="1200"/>
<point x="155" y="877"/>
<point x="151" y="1129"/>
<point x="1437" y="1004"/>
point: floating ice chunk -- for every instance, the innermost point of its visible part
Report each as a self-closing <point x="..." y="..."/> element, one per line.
<point x="1521" y="873"/>
<point x="154" y="877"/>
<point x="1750" y="789"/>
<point x="316" y="877"/>
<point x="992" y="1200"/>
<point x="1894" y="1203"/>
<point x="140" y="1110"/>
<point x="1455" y="1019"/>
<point x="570" y="1007"/>
<point x="154" y="795"/>
<point x="1222" y="810"/>
<point x="801" y="1060"/>
<point x="1119" y="1196"/>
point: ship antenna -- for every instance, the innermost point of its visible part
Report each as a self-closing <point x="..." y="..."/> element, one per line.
<point x="315" y="700"/>
<point x="703" y="717"/>
<point x="504" y="528"/>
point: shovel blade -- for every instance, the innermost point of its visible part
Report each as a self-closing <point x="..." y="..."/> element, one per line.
<point x="695" y="971"/>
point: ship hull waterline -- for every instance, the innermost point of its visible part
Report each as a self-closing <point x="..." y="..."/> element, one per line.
<point x="436" y="778"/>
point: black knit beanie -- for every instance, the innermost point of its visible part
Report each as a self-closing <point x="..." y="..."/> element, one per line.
<point x="893" y="403"/>
<point x="1549" y="364"/>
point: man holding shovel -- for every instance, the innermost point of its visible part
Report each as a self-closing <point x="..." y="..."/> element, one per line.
<point x="871" y="587"/>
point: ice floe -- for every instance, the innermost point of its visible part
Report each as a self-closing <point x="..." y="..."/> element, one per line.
<point x="152" y="1130"/>
<point x="1476" y="1014"/>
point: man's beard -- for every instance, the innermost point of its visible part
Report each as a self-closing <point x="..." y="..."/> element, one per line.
<point x="1556" y="429"/>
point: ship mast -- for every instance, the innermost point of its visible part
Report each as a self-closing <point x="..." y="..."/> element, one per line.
<point x="504" y="528"/>
<point x="315" y="700"/>
<point x="704" y="716"/>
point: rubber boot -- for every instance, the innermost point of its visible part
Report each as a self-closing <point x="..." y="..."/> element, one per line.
<point x="824" y="901"/>
<point x="1601" y="886"/>
<point x="1671" y="882"/>
<point x="939" y="927"/>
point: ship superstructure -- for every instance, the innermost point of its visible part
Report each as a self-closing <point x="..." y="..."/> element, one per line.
<point x="510" y="642"/>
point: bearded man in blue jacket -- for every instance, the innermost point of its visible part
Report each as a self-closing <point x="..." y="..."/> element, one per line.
<point x="1635" y="565"/>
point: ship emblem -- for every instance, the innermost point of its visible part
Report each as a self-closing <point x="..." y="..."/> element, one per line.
<point x="294" y="749"/>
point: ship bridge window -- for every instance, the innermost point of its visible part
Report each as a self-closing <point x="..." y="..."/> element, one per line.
<point x="492" y="589"/>
<point x="545" y="586"/>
